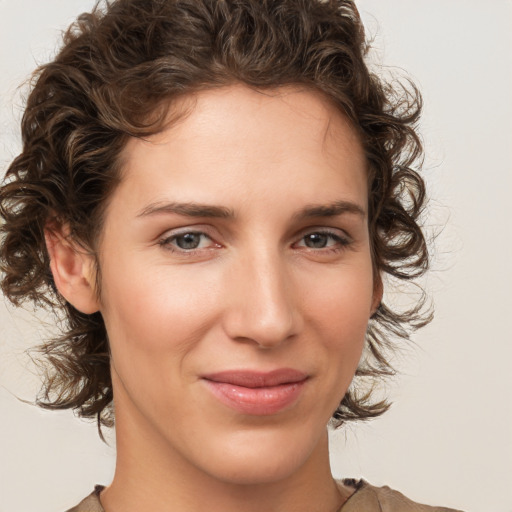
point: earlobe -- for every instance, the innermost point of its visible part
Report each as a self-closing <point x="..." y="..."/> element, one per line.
<point x="72" y="268"/>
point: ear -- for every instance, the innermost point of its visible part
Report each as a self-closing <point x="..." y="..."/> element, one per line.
<point x="378" y="291"/>
<point x="73" y="269"/>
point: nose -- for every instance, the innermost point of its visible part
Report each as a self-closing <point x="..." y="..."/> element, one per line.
<point x="262" y="306"/>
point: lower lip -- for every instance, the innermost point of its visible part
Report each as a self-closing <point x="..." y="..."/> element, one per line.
<point x="257" y="401"/>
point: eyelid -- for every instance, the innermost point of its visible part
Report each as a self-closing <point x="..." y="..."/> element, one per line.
<point x="343" y="239"/>
<point x="326" y="230"/>
<point x="166" y="239"/>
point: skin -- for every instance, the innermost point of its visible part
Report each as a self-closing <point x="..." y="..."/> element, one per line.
<point x="267" y="287"/>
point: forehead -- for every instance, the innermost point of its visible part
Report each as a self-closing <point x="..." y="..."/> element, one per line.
<point x="236" y="138"/>
<point x="238" y="112"/>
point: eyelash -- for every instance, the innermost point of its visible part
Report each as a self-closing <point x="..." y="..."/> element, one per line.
<point x="341" y="242"/>
<point x="167" y="242"/>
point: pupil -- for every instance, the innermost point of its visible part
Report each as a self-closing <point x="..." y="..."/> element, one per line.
<point x="316" y="240"/>
<point x="188" y="241"/>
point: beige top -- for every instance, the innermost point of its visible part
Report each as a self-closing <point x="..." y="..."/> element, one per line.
<point x="366" y="498"/>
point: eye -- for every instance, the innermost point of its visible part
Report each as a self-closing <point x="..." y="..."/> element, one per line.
<point x="187" y="241"/>
<point x="323" y="240"/>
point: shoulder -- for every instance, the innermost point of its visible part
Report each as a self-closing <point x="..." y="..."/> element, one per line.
<point x="369" y="498"/>
<point x="365" y="497"/>
<point x="91" y="503"/>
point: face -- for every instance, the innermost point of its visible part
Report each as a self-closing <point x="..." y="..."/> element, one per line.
<point x="237" y="281"/>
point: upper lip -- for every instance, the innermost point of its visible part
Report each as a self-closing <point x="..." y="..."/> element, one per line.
<point x="257" y="379"/>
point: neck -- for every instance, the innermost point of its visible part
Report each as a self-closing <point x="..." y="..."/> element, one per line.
<point x="150" y="475"/>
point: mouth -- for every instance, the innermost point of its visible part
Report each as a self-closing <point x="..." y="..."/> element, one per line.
<point x="257" y="393"/>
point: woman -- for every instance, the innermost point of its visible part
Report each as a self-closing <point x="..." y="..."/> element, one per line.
<point x="212" y="193"/>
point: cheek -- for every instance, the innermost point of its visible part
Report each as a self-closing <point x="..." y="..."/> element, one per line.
<point x="336" y="312"/>
<point x="155" y="322"/>
<point x="337" y="315"/>
<point x="155" y="317"/>
<point x="341" y="303"/>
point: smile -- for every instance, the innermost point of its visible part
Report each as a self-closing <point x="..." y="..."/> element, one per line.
<point x="257" y="393"/>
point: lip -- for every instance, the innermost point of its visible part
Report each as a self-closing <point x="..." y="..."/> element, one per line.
<point x="257" y="393"/>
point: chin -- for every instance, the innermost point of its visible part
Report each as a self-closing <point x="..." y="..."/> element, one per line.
<point x="257" y="459"/>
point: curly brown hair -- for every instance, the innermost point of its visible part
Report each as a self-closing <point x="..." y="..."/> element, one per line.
<point x="117" y="75"/>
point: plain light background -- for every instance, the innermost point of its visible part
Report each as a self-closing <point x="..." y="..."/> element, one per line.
<point x="448" y="438"/>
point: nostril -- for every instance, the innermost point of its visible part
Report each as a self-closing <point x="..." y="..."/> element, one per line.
<point x="266" y="328"/>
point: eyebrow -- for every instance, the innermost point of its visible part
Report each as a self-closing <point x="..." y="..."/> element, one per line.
<point x="330" y="210"/>
<point x="188" y="210"/>
<point x="211" y="211"/>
